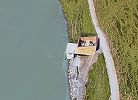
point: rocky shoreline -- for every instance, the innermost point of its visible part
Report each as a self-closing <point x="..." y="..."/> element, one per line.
<point x="78" y="69"/>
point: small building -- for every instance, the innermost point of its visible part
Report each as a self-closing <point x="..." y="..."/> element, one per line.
<point x="85" y="46"/>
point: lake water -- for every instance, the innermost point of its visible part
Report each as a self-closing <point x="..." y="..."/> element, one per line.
<point x="32" y="43"/>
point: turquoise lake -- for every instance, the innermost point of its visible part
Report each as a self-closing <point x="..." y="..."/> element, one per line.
<point x="33" y="39"/>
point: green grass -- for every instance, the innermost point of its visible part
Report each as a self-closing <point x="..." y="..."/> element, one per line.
<point x="98" y="83"/>
<point x="78" y="18"/>
<point x="119" y="19"/>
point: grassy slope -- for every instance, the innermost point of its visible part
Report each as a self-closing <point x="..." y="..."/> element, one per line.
<point x="79" y="24"/>
<point x="119" y="19"/>
<point x="78" y="18"/>
<point x="98" y="84"/>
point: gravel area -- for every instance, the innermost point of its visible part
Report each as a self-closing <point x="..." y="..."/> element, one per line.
<point x="78" y="75"/>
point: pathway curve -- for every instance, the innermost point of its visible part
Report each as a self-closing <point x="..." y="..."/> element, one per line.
<point x="107" y="55"/>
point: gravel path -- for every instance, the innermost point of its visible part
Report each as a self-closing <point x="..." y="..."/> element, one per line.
<point x="107" y="55"/>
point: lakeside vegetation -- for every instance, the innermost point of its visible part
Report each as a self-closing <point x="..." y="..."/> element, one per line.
<point x="119" y="19"/>
<point x="98" y="82"/>
<point x="78" y="17"/>
<point x="79" y="24"/>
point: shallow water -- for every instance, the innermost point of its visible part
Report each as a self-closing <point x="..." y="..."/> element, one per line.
<point x="32" y="44"/>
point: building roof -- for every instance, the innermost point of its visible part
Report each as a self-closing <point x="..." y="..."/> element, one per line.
<point x="91" y="38"/>
<point x="87" y="45"/>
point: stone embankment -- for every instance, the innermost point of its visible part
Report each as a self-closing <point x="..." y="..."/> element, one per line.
<point x="78" y="69"/>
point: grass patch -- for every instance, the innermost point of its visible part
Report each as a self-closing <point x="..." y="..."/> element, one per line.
<point x="119" y="19"/>
<point x="78" y="17"/>
<point x="98" y="83"/>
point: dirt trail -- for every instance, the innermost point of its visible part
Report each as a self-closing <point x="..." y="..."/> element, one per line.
<point x="107" y="55"/>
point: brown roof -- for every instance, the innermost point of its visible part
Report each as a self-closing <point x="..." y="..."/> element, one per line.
<point x="87" y="49"/>
<point x="92" y="38"/>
